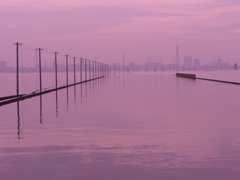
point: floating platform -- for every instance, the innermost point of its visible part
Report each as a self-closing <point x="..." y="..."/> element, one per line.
<point x="192" y="76"/>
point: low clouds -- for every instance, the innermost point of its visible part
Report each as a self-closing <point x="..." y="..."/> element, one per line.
<point x="71" y="20"/>
<point x="76" y="20"/>
<point x="229" y="2"/>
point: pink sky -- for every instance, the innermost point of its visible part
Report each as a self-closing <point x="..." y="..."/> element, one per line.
<point x="105" y="29"/>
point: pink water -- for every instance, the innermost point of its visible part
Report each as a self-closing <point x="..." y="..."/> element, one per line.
<point x="145" y="126"/>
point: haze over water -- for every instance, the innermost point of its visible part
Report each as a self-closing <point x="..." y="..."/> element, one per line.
<point x="125" y="126"/>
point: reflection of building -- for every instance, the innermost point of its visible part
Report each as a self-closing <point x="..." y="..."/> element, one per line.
<point x="188" y="61"/>
<point x="196" y="62"/>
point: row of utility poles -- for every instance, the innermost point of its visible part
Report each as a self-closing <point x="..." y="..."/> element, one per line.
<point x="89" y="70"/>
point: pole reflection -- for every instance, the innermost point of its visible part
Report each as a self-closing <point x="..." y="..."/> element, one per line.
<point x="41" y="109"/>
<point x="89" y="91"/>
<point x="81" y="92"/>
<point x="75" y="96"/>
<point x="86" y="90"/>
<point x="56" y="103"/>
<point x="19" y="121"/>
<point x="67" y="100"/>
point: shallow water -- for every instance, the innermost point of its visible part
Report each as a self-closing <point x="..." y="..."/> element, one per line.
<point x="125" y="126"/>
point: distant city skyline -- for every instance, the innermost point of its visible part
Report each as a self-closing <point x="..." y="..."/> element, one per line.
<point x="188" y="63"/>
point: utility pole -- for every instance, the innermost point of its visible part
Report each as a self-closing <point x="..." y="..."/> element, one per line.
<point x="74" y="69"/>
<point x="17" y="65"/>
<point x="89" y="63"/>
<point x="81" y="69"/>
<point x="93" y="68"/>
<point x="99" y="70"/>
<point x="40" y="68"/>
<point x="85" y="69"/>
<point x="67" y="68"/>
<point x="95" y="65"/>
<point x="56" y="79"/>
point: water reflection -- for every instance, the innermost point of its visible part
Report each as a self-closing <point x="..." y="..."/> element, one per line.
<point x="67" y="99"/>
<point x="41" y="109"/>
<point x="145" y="131"/>
<point x="75" y="96"/>
<point x="81" y="92"/>
<point x="19" y="121"/>
<point x="86" y="90"/>
<point x="56" y="103"/>
<point x="91" y="88"/>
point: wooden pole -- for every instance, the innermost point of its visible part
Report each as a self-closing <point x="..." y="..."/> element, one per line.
<point x="85" y="69"/>
<point x="93" y="68"/>
<point x="56" y="78"/>
<point x="40" y="69"/>
<point x="67" y="69"/>
<point x="17" y="67"/>
<point x="89" y="64"/>
<point x="74" y="69"/>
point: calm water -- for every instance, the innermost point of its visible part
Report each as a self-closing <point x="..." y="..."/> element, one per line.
<point x="143" y="126"/>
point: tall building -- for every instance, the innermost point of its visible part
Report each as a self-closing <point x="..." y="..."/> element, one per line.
<point x="3" y="64"/>
<point x="196" y="62"/>
<point x="188" y="61"/>
<point x="219" y="61"/>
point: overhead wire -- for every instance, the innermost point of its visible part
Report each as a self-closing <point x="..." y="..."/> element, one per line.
<point x="27" y="48"/>
<point x="51" y="64"/>
<point x="25" y="84"/>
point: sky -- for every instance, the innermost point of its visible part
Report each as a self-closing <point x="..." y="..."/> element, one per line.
<point x="104" y="29"/>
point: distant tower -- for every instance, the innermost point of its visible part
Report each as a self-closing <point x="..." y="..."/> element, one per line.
<point x="177" y="56"/>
